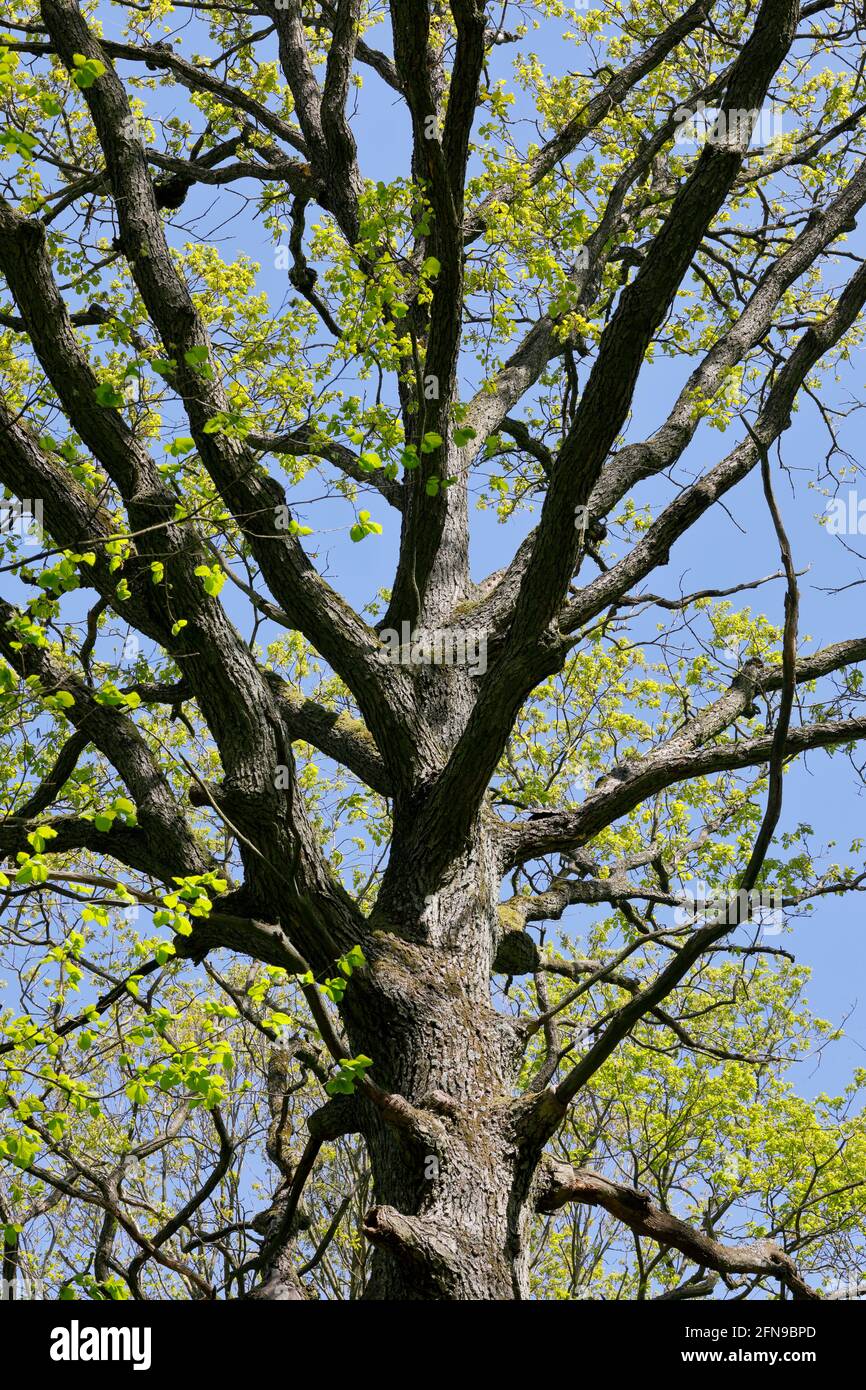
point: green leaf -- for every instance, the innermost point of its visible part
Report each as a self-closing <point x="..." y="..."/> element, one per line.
<point x="462" y="436"/>
<point x="86" y="70"/>
<point x="19" y="142"/>
<point x="212" y="577"/>
<point x="62" y="700"/>
<point x="352" y="1070"/>
<point x="39" y="837"/>
<point x="136" y="1092"/>
<point x="113" y="698"/>
<point x="364" y="527"/>
<point x="341" y="1085"/>
<point x="198" y="359"/>
<point x="107" y="396"/>
<point x="181" y="445"/>
<point x="163" y="366"/>
<point x="352" y="960"/>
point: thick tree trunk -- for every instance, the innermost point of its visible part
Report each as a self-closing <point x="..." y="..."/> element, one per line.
<point x="450" y="1220"/>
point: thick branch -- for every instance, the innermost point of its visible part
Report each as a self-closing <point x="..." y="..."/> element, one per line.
<point x="563" y="1184"/>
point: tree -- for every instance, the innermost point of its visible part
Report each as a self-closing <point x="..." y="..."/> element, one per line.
<point x="277" y="865"/>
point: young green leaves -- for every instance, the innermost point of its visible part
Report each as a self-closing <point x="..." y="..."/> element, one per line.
<point x="364" y="527"/>
<point x="85" y="70"/>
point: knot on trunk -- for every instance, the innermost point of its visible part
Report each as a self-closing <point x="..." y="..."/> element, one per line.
<point x="516" y="952"/>
<point x="431" y="1250"/>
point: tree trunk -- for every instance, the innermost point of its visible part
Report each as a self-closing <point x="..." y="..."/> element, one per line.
<point x="450" y="1220"/>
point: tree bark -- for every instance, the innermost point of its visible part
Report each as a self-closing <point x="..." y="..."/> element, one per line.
<point x="451" y="1213"/>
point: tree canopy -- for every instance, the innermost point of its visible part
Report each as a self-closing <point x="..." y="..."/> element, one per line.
<point x="396" y="850"/>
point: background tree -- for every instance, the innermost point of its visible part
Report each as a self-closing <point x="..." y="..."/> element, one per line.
<point x="284" y="1017"/>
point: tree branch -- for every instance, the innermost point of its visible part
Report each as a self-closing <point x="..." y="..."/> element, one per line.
<point x="562" y="1184"/>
